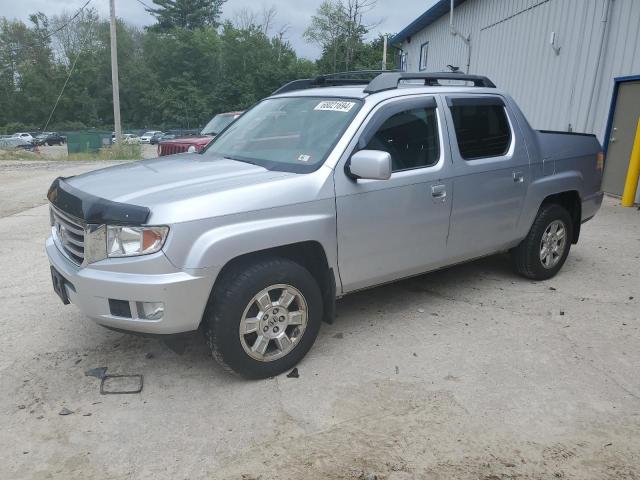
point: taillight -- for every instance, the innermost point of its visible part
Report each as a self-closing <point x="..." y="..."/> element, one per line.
<point x="600" y="161"/>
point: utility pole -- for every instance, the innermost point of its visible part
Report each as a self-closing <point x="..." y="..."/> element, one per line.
<point x="384" y="54"/>
<point x="114" y="73"/>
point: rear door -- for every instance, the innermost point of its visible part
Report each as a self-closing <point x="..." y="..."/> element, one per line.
<point x="491" y="166"/>
<point x="388" y="229"/>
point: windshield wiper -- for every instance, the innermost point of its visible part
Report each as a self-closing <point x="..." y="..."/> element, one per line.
<point x="245" y="160"/>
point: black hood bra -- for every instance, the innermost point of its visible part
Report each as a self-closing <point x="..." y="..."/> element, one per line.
<point x="94" y="209"/>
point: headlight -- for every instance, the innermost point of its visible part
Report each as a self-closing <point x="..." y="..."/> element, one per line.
<point x="130" y="241"/>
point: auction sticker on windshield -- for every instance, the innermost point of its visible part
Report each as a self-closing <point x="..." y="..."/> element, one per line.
<point x="335" y="106"/>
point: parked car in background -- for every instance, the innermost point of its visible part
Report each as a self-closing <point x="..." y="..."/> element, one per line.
<point x="315" y="193"/>
<point x="196" y="144"/>
<point x="128" y="138"/>
<point x="10" y="142"/>
<point x="27" y="137"/>
<point x="50" y="138"/>
<point x="147" y="136"/>
<point x="158" y="137"/>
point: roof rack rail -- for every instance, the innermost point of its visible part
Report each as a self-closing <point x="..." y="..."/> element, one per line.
<point x="390" y="80"/>
<point x="332" y="80"/>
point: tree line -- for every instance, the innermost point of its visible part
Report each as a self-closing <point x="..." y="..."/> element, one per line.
<point x="175" y="73"/>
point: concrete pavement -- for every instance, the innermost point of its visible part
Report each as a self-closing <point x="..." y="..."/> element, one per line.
<point x="467" y="373"/>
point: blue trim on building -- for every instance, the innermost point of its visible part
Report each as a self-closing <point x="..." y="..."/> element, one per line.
<point x="612" y="108"/>
<point x="440" y="8"/>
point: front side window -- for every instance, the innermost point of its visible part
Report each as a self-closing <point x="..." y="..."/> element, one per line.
<point x="481" y="130"/>
<point x="293" y="134"/>
<point x="410" y="137"/>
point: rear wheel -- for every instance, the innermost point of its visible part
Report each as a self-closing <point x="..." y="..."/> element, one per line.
<point x="263" y="317"/>
<point x="545" y="249"/>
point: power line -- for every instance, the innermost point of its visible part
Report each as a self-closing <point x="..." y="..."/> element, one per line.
<point x="144" y="5"/>
<point x="51" y="34"/>
<point x="64" y="86"/>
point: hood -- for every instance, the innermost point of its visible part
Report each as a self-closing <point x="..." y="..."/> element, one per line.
<point x="181" y="184"/>
<point x="189" y="140"/>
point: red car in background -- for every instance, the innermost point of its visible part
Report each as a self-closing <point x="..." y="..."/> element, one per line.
<point x="195" y="144"/>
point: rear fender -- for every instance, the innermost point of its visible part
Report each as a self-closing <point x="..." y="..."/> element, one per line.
<point x="566" y="181"/>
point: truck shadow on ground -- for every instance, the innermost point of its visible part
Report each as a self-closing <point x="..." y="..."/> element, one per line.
<point x="189" y="352"/>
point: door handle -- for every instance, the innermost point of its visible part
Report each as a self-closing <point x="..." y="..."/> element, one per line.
<point x="518" y="177"/>
<point x="439" y="192"/>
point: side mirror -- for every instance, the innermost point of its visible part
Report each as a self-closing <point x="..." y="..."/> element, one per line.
<point x="371" y="165"/>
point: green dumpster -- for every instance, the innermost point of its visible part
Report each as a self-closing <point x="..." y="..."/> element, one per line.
<point x="83" y="142"/>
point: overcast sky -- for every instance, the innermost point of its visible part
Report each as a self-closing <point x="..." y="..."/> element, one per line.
<point x="392" y="15"/>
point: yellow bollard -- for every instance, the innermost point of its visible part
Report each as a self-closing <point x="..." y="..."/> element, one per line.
<point x="631" y="183"/>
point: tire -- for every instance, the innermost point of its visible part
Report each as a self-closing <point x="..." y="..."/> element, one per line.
<point x="529" y="259"/>
<point x="233" y="305"/>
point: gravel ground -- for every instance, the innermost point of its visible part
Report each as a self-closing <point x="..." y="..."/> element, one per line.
<point x="466" y="373"/>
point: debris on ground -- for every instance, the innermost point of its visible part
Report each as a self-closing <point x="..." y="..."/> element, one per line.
<point x="397" y="369"/>
<point x="65" y="411"/>
<point x="124" y="384"/>
<point x="552" y="288"/>
<point x="98" y="372"/>
<point x="149" y="355"/>
<point x="21" y="407"/>
<point x="421" y="310"/>
<point x="561" y="312"/>
<point x="88" y="414"/>
<point x="339" y="335"/>
<point x="293" y="373"/>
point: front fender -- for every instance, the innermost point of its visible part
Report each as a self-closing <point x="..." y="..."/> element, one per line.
<point x="213" y="243"/>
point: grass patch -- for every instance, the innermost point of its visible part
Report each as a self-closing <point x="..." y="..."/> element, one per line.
<point x="18" y="154"/>
<point x="116" y="152"/>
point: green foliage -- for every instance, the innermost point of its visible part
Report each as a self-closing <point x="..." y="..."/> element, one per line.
<point x="187" y="14"/>
<point x="339" y="27"/>
<point x="169" y="78"/>
<point x="176" y="74"/>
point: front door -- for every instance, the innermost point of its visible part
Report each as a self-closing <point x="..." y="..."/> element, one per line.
<point x="491" y="167"/>
<point x="388" y="229"/>
<point x="623" y="132"/>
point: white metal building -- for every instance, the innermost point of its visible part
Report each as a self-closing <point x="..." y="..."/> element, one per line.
<point x="564" y="61"/>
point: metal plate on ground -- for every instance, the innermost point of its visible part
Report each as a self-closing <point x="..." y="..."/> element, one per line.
<point x="120" y="384"/>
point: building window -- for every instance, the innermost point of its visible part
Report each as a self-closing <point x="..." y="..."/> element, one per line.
<point x="424" y="48"/>
<point x="403" y="61"/>
<point x="481" y="130"/>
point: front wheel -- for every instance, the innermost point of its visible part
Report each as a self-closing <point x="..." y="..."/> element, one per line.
<point x="545" y="249"/>
<point x="263" y="317"/>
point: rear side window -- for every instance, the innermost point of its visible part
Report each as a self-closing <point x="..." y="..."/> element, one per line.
<point x="482" y="129"/>
<point x="410" y="137"/>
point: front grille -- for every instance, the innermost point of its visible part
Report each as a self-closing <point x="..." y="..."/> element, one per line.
<point x="70" y="234"/>
<point x="172" y="149"/>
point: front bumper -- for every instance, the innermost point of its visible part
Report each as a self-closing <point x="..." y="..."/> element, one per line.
<point x="148" y="278"/>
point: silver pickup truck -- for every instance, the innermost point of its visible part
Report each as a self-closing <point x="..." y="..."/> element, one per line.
<point x="329" y="186"/>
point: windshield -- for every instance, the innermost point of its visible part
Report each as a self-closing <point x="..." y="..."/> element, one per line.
<point x="149" y="134"/>
<point x="293" y="134"/>
<point x="217" y="124"/>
